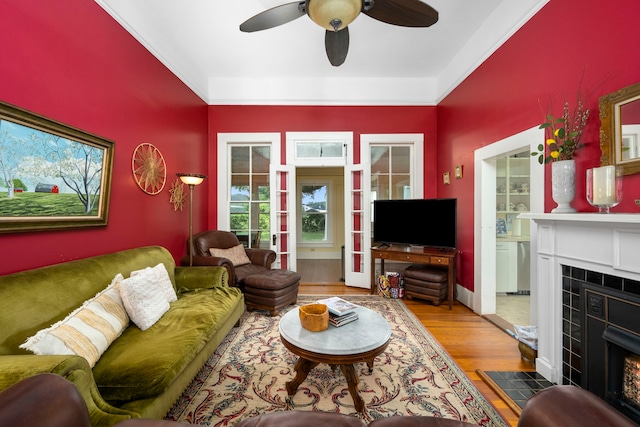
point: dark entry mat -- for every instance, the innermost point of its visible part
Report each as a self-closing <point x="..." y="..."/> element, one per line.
<point x="514" y="387"/>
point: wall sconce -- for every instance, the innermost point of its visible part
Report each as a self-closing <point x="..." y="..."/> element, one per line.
<point x="191" y="179"/>
<point x="458" y="172"/>
<point x="446" y="179"/>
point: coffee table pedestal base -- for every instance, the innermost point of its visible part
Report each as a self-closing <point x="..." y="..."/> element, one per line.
<point x="304" y="366"/>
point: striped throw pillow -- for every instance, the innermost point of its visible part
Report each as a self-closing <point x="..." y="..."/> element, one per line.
<point x="87" y="331"/>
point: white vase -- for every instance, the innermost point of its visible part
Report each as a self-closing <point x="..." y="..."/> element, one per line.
<point x="563" y="185"/>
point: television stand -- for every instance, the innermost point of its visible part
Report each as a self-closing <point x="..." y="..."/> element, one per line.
<point x="442" y="258"/>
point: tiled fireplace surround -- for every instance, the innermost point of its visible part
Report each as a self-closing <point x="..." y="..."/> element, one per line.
<point x="572" y="249"/>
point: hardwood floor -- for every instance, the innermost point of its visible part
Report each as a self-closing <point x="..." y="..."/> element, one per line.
<point x="472" y="341"/>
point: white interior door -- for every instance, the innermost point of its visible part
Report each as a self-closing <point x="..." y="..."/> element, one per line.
<point x="357" y="221"/>
<point x="283" y="215"/>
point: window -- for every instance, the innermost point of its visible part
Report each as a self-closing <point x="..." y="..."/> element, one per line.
<point x="390" y="172"/>
<point x="314" y="213"/>
<point x="249" y="205"/>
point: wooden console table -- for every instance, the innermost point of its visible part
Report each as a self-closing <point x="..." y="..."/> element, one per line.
<point x="446" y="258"/>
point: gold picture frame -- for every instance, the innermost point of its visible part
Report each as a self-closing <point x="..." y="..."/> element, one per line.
<point x="56" y="176"/>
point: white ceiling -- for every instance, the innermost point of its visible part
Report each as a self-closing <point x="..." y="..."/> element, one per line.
<point x="200" y="41"/>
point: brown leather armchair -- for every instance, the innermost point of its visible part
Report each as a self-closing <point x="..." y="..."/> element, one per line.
<point x="261" y="259"/>
<point x="50" y="400"/>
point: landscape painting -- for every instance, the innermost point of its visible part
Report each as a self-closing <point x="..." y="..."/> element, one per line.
<point x="52" y="176"/>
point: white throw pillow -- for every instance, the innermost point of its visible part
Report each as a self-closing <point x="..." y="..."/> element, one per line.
<point x="87" y="331"/>
<point x="143" y="299"/>
<point x="236" y="255"/>
<point x="163" y="281"/>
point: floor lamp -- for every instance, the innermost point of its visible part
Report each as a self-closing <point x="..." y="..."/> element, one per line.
<point x="191" y="179"/>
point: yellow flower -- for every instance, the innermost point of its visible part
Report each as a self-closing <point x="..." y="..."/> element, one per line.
<point x="556" y="132"/>
<point x="551" y="141"/>
<point x="555" y="154"/>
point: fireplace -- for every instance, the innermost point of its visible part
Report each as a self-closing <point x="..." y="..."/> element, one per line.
<point x="575" y="251"/>
<point x="611" y="332"/>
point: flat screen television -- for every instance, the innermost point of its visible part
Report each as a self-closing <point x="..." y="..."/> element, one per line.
<point x="421" y="222"/>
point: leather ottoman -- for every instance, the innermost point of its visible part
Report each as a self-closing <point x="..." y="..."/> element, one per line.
<point x="271" y="290"/>
<point x="426" y="282"/>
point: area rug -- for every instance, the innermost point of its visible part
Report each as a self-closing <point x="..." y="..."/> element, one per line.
<point x="246" y="376"/>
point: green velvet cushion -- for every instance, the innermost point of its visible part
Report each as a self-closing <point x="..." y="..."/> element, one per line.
<point x="142" y="364"/>
<point x="36" y="299"/>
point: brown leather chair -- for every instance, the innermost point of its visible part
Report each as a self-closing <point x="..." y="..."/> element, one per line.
<point x="50" y="400"/>
<point x="261" y="259"/>
<point x="301" y="418"/>
<point x="567" y="405"/>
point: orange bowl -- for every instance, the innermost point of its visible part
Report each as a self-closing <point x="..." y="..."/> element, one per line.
<point x="314" y="317"/>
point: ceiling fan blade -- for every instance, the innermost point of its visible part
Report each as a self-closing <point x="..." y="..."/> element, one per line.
<point x="273" y="17"/>
<point x="337" y="45"/>
<point x="405" y="13"/>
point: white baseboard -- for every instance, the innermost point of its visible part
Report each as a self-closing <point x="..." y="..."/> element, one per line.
<point x="465" y="296"/>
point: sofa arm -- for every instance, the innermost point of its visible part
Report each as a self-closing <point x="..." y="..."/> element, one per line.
<point x="264" y="257"/>
<point x="201" y="277"/>
<point x="14" y="368"/>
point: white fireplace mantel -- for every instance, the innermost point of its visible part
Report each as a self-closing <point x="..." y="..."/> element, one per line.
<point x="605" y="243"/>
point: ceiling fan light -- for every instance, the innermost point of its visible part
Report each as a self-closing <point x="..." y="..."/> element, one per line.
<point x="333" y="15"/>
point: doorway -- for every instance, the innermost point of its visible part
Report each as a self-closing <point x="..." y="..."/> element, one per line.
<point x="484" y="300"/>
<point x="513" y="237"/>
<point x="320" y="224"/>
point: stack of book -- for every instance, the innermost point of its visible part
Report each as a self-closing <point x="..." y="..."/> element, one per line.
<point x="341" y="312"/>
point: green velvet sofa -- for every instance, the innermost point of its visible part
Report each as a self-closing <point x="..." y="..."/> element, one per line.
<point x="142" y="373"/>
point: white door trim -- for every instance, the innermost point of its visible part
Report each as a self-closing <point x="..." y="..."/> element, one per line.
<point x="484" y="295"/>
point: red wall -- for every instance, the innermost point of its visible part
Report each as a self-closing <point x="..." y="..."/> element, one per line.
<point x="71" y="62"/>
<point x="510" y="92"/>
<point x="359" y="120"/>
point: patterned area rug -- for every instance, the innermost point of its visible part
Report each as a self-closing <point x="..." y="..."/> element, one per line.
<point x="246" y="376"/>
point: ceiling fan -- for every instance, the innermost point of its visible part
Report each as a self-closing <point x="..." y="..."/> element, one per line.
<point x="336" y="15"/>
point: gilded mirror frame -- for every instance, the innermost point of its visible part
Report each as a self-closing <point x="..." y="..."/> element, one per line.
<point x="611" y="128"/>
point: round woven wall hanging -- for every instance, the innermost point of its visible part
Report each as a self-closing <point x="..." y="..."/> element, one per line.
<point x="149" y="168"/>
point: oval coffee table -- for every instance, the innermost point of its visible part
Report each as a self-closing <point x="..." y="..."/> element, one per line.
<point x="355" y="342"/>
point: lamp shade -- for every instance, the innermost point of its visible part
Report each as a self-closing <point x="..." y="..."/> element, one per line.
<point x="191" y="178"/>
<point x="333" y="15"/>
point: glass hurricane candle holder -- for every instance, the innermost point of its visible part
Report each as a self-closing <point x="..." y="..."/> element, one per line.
<point x="604" y="187"/>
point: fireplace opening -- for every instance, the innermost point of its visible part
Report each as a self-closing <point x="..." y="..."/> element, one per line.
<point x="623" y="371"/>
<point x="611" y="332"/>
<point x="631" y="381"/>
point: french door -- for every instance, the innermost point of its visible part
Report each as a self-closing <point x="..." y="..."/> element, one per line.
<point x="357" y="226"/>
<point x="283" y="215"/>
